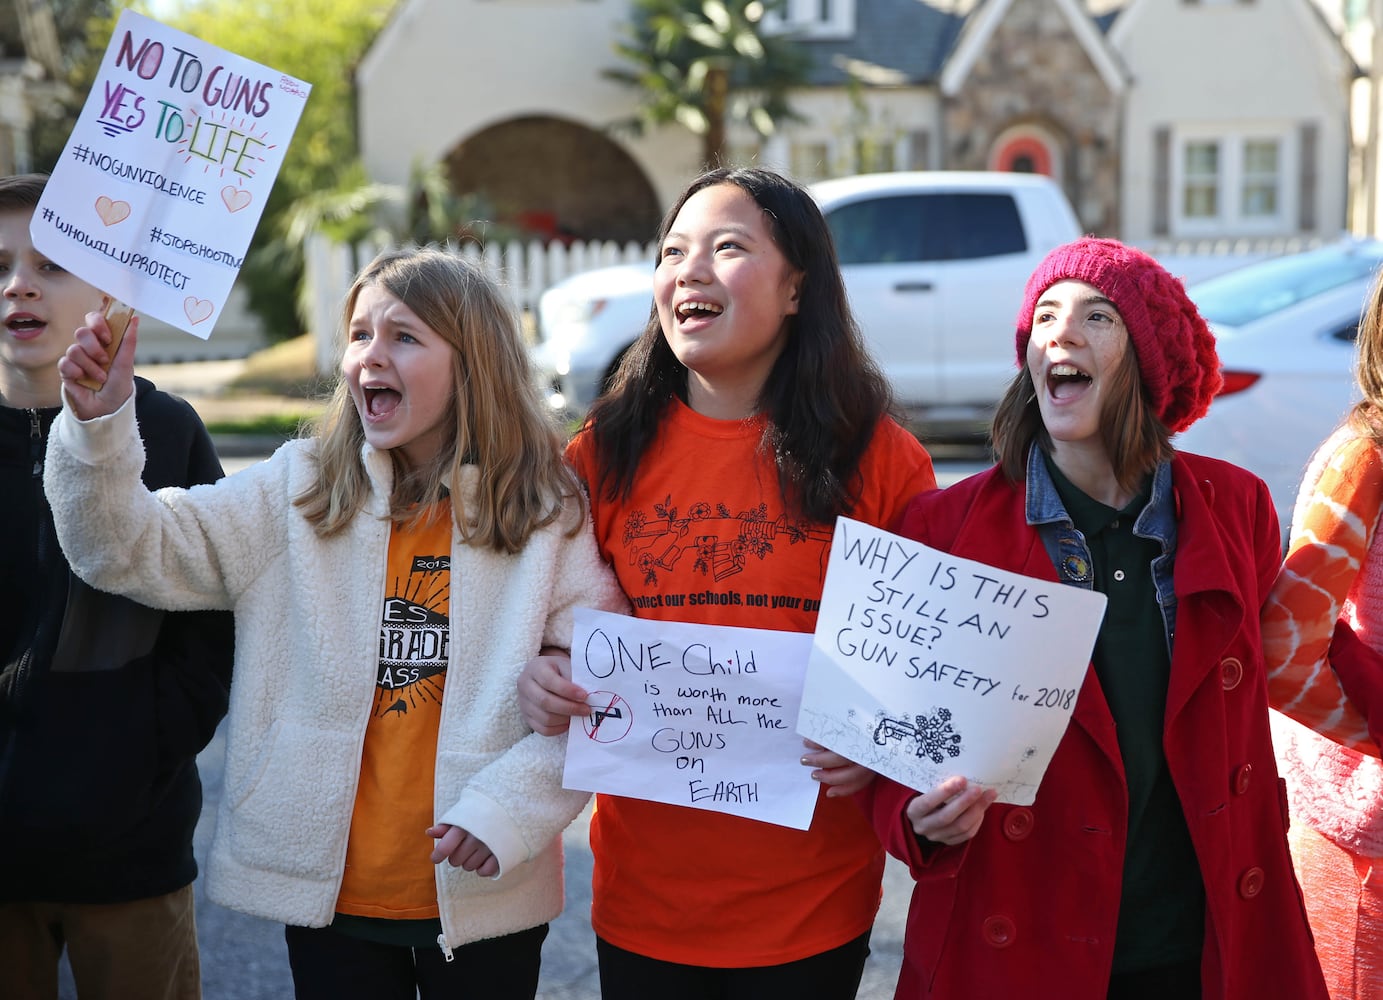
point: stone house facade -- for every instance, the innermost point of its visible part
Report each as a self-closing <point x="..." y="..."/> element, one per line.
<point x="1156" y="129"/>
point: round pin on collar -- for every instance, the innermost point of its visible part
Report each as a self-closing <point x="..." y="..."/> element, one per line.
<point x="1076" y="568"/>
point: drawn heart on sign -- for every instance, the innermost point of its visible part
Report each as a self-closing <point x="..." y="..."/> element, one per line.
<point x="236" y="198"/>
<point x="112" y="212"/>
<point x="197" y="309"/>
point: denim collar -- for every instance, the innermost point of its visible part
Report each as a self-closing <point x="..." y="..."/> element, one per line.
<point x="1157" y="520"/>
<point x="1067" y="547"/>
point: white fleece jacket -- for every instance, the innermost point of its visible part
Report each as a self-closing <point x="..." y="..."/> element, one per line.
<point x="307" y="637"/>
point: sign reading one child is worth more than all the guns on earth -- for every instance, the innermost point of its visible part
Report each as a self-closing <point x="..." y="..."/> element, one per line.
<point x="926" y="665"/>
<point x="691" y="715"/>
<point x="166" y="174"/>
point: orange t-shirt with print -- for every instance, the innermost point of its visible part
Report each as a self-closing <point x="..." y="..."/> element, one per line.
<point x="389" y="871"/>
<point x="704" y="526"/>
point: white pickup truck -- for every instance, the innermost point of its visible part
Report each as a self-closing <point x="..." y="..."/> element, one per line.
<point x="934" y="263"/>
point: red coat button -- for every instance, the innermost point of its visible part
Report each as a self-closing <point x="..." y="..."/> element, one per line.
<point x="1231" y="672"/>
<point x="999" y="932"/>
<point x="1243" y="774"/>
<point x="1018" y="823"/>
<point x="1251" y="883"/>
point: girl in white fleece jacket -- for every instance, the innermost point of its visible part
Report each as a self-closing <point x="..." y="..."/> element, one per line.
<point x="390" y="577"/>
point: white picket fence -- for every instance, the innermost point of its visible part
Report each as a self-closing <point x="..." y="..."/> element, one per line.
<point x="525" y="270"/>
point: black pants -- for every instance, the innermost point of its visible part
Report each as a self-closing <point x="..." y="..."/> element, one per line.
<point x="831" y="975"/>
<point x="329" y="965"/>
<point x="1166" y="982"/>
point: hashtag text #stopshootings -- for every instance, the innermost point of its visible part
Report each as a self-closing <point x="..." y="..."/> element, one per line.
<point x="194" y="248"/>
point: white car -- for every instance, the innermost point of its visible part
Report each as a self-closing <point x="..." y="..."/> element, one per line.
<point x="1285" y="331"/>
<point x="934" y="264"/>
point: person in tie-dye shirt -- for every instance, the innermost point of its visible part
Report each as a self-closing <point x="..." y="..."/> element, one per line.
<point x="1322" y="636"/>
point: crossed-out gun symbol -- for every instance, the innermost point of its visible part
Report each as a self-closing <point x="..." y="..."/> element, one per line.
<point x="601" y="714"/>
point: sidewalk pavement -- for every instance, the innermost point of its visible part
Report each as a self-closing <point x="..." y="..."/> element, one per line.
<point x="207" y="386"/>
<point x="244" y="958"/>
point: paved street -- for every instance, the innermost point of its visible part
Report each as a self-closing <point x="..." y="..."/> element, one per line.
<point x="243" y="958"/>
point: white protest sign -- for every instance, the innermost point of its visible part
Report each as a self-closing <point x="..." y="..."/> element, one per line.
<point x="167" y="171"/>
<point x="691" y="715"/>
<point x="925" y="665"/>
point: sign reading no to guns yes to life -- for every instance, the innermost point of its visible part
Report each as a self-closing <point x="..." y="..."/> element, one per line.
<point x="691" y="715"/>
<point x="166" y="173"/>
<point x="925" y="665"/>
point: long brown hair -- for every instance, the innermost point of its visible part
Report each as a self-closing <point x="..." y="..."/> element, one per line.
<point x="499" y="424"/>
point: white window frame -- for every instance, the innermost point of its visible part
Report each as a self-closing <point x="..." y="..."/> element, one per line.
<point x="1214" y="181"/>
<point x="1230" y="219"/>
<point x="810" y="160"/>
<point x="1248" y="178"/>
<point x="826" y="19"/>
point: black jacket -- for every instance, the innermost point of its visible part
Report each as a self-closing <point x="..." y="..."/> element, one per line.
<point x="104" y="703"/>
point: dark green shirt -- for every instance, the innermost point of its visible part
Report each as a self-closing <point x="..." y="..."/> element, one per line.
<point x="1162" y="910"/>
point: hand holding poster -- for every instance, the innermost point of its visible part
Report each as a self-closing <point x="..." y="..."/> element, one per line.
<point x="691" y="715"/>
<point x="167" y="171"/>
<point x="925" y="665"/>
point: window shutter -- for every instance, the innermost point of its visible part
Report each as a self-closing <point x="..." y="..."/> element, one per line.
<point x="920" y="147"/>
<point x="1162" y="181"/>
<point x="1306" y="196"/>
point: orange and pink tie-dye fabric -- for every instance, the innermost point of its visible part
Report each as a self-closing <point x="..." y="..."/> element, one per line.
<point x="1332" y="532"/>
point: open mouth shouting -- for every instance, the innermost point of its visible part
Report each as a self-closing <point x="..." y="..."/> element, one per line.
<point x="380" y="400"/>
<point x="696" y="309"/>
<point x="24" y="326"/>
<point x="1066" y="381"/>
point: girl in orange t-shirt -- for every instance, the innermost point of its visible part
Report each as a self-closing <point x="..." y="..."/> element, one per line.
<point x="746" y="417"/>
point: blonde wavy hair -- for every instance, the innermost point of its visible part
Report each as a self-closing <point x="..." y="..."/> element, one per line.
<point x="500" y="425"/>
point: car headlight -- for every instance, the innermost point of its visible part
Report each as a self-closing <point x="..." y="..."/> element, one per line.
<point x="577" y="312"/>
<point x="565" y="324"/>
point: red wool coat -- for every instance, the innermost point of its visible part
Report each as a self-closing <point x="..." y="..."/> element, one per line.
<point x="1029" y="907"/>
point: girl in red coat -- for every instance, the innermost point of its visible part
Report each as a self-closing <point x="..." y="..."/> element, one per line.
<point x="1154" y="861"/>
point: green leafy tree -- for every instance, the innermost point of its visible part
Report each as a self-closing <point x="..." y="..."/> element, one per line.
<point x="82" y="28"/>
<point x="704" y="63"/>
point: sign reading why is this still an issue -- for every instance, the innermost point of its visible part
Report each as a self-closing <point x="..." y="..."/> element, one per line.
<point x="925" y="665"/>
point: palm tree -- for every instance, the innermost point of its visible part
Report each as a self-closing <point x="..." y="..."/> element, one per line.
<point x="703" y="63"/>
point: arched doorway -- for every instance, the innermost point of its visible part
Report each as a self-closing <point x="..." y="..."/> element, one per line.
<point x="1027" y="149"/>
<point x="554" y="179"/>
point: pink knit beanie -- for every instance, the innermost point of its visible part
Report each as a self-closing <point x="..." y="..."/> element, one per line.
<point x="1175" y="349"/>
